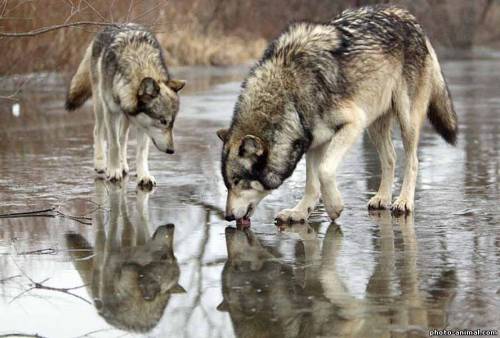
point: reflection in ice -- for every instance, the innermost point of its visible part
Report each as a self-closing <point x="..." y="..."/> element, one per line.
<point x="129" y="273"/>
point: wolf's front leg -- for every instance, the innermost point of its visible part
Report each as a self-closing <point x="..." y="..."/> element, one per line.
<point x="300" y="213"/>
<point x="340" y="143"/>
<point x="114" y="170"/>
<point x="99" y="137"/>
<point x="144" y="179"/>
<point x="124" y="129"/>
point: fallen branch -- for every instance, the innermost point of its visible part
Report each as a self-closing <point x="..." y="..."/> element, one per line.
<point x="18" y="334"/>
<point x="48" y="251"/>
<point x="55" y="27"/>
<point x="51" y="212"/>
<point x="26" y="213"/>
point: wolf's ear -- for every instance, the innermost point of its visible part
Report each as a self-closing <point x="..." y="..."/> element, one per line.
<point x="223" y="307"/>
<point x="148" y="90"/>
<point x="164" y="233"/>
<point x="251" y="146"/>
<point x="177" y="289"/>
<point x="176" y="85"/>
<point x="223" y="133"/>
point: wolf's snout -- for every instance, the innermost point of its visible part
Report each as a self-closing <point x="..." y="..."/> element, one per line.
<point x="229" y="217"/>
<point x="170" y="151"/>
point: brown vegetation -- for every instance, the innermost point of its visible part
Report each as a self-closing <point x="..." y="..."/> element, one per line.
<point x="216" y="32"/>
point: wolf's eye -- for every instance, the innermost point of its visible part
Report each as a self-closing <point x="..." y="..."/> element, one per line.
<point x="163" y="121"/>
<point x="236" y="182"/>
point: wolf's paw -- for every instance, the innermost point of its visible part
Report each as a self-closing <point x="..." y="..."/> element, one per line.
<point x="100" y="167"/>
<point x="125" y="169"/>
<point x="334" y="210"/>
<point x="146" y="182"/>
<point x="291" y="216"/>
<point x="402" y="206"/>
<point x="101" y="172"/>
<point x="379" y="202"/>
<point x="114" y="175"/>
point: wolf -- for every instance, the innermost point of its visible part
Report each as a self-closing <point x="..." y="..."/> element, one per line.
<point x="317" y="87"/>
<point x="124" y="70"/>
<point x="130" y="280"/>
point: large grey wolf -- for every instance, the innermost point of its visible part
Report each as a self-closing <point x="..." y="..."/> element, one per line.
<point x="125" y="71"/>
<point x="129" y="275"/>
<point x="314" y="92"/>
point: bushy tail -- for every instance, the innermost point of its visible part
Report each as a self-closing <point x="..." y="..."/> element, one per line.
<point x="441" y="113"/>
<point x="80" y="88"/>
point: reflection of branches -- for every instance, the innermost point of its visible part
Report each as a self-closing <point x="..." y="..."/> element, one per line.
<point x="198" y="283"/>
<point x="89" y="334"/>
<point x="9" y="278"/>
<point x="41" y="286"/>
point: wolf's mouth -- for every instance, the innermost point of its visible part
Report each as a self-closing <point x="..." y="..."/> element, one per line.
<point x="154" y="142"/>
<point x="245" y="220"/>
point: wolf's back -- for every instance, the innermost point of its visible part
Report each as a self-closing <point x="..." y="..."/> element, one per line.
<point x="80" y="88"/>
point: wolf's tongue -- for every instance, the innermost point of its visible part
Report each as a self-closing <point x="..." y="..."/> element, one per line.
<point x="243" y="222"/>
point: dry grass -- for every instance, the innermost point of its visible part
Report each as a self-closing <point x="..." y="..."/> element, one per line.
<point x="185" y="48"/>
<point x="210" y="32"/>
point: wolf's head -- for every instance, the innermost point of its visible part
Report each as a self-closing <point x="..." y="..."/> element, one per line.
<point x="157" y="107"/>
<point x="246" y="173"/>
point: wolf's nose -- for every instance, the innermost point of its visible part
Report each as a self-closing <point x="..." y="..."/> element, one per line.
<point x="170" y="151"/>
<point x="229" y="218"/>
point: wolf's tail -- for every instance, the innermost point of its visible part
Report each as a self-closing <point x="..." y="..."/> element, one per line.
<point x="441" y="113"/>
<point x="80" y="88"/>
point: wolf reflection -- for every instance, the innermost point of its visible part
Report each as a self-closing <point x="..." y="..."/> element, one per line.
<point x="129" y="277"/>
<point x="266" y="297"/>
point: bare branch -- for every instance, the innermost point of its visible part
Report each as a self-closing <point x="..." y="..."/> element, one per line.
<point x="9" y="98"/>
<point x="26" y="213"/>
<point x="53" y="28"/>
<point x="18" y="334"/>
<point x="51" y="212"/>
<point x="154" y="8"/>
<point x="130" y="7"/>
<point x="95" y="10"/>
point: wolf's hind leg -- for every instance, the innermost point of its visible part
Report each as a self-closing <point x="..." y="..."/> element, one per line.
<point x="99" y="137"/>
<point x="144" y="179"/>
<point x="410" y="121"/>
<point x="340" y="143"/>
<point x="124" y="129"/>
<point x="114" y="168"/>
<point x="301" y="212"/>
<point x="380" y="134"/>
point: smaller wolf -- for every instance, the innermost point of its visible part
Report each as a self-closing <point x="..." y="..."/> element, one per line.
<point x="125" y="72"/>
<point x="315" y="90"/>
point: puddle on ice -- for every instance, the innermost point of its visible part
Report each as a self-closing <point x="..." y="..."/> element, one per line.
<point x="106" y="260"/>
